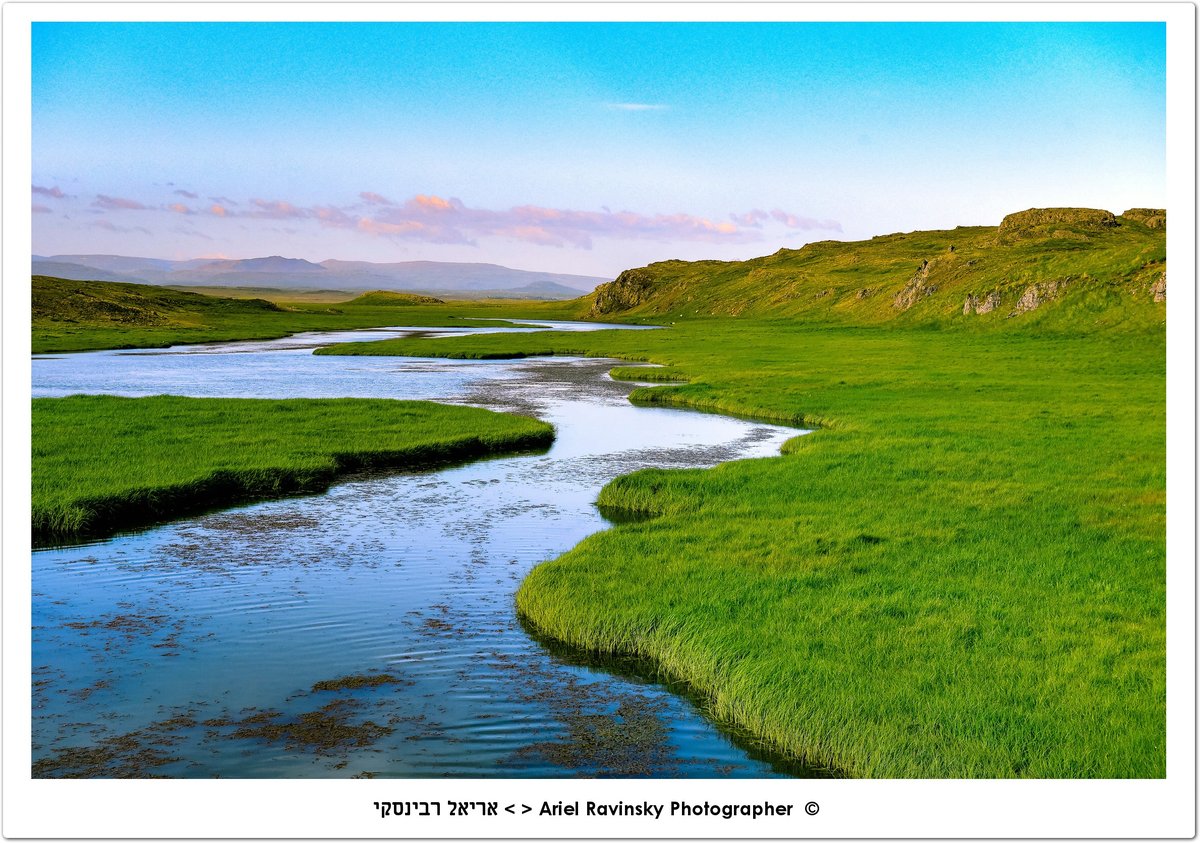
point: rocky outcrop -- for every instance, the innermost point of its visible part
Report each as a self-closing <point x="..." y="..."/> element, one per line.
<point x="1149" y="217"/>
<point x="631" y="288"/>
<point x="981" y="304"/>
<point x="1036" y="295"/>
<point x="865" y="292"/>
<point x="1035" y="220"/>
<point x="1159" y="288"/>
<point x="917" y="288"/>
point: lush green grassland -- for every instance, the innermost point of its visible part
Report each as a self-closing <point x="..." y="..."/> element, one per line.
<point x="86" y="315"/>
<point x="102" y="463"/>
<point x="961" y="573"/>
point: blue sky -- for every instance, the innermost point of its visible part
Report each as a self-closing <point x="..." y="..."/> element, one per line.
<point x="577" y="147"/>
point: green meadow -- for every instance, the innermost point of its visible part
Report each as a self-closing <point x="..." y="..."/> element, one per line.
<point x="960" y="573"/>
<point x="102" y="463"/>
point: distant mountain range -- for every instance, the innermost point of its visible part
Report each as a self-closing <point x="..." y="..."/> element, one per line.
<point x="276" y="271"/>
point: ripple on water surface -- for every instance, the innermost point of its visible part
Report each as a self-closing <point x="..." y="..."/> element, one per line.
<point x="369" y="630"/>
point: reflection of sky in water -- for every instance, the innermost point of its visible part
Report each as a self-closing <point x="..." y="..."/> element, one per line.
<point x="291" y="370"/>
<point x="412" y="574"/>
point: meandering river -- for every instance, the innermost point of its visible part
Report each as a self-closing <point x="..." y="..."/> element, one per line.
<point x="220" y="645"/>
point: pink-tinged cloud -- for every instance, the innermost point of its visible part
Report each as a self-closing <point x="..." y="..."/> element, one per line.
<point x="435" y="203"/>
<point x="187" y="194"/>
<point x="41" y="209"/>
<point x="400" y="229"/>
<point x="333" y="217"/>
<point x="276" y="210"/>
<point x="52" y="192"/>
<point x="753" y="218"/>
<point x="445" y="220"/>
<point x="117" y="203"/>
<point x="805" y="223"/>
<point x="374" y="198"/>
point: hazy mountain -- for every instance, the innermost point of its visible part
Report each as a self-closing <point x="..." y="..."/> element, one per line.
<point x="273" y="264"/>
<point x="74" y="271"/>
<point x="277" y="271"/>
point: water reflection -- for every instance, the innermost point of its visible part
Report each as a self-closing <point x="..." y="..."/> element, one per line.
<point x="369" y="630"/>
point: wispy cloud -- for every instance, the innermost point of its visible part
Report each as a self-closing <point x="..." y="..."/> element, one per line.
<point x="276" y="209"/>
<point x="41" y="209"/>
<point x="333" y="217"/>
<point x="118" y="203"/>
<point x="637" y="106"/>
<point x="108" y="225"/>
<point x="187" y="194"/>
<point x="52" y="192"/>
<point x="804" y="223"/>
<point x="190" y="232"/>
<point x="374" y="198"/>
<point x="753" y="218"/>
<point x="437" y="219"/>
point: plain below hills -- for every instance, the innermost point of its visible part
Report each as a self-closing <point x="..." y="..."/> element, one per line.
<point x="70" y="315"/>
<point x="479" y="280"/>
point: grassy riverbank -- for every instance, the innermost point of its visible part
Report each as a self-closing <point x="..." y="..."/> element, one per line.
<point x="962" y="574"/>
<point x="92" y="315"/>
<point x="103" y="463"/>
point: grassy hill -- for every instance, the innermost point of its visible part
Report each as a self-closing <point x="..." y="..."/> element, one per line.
<point x="115" y="303"/>
<point x="85" y="315"/>
<point x="388" y="298"/>
<point x="1060" y="266"/>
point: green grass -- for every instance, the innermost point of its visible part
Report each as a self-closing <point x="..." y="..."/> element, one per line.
<point x="960" y="574"/>
<point x="88" y="315"/>
<point x="646" y="373"/>
<point x="1107" y="271"/>
<point x="102" y="463"/>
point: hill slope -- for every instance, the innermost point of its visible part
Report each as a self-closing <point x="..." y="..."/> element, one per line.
<point x="1043" y="264"/>
<point x="69" y="315"/>
<point x="118" y="304"/>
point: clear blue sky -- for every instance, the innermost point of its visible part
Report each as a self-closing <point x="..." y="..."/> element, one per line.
<point x="577" y="147"/>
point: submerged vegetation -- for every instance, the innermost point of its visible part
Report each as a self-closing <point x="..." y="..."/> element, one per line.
<point x="102" y="463"/>
<point x="960" y="574"/>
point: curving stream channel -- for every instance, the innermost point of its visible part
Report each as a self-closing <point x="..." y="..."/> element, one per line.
<point x="369" y="630"/>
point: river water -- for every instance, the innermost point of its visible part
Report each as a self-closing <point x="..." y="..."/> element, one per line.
<point x="369" y="630"/>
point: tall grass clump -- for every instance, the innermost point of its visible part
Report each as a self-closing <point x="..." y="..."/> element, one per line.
<point x="960" y="574"/>
<point x="102" y="463"/>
